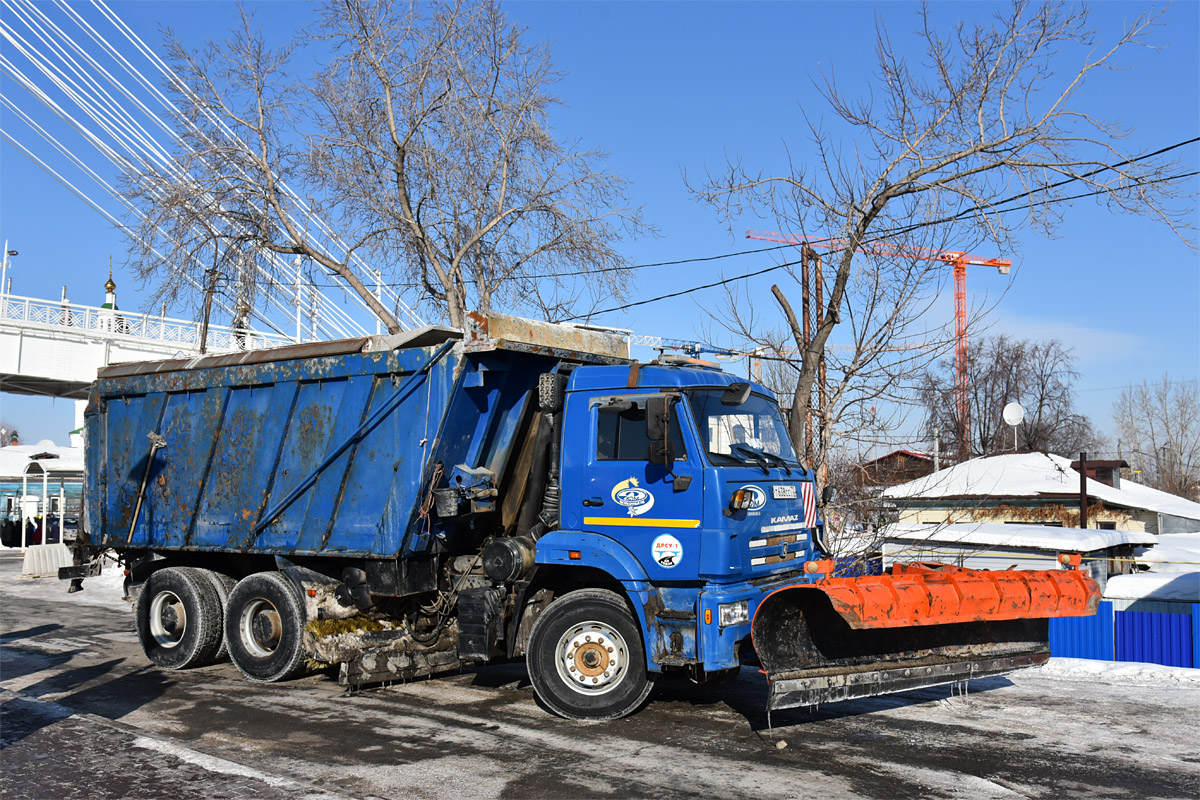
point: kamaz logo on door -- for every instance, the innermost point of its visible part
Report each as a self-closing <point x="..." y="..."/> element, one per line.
<point x="627" y="493"/>
<point x="758" y="498"/>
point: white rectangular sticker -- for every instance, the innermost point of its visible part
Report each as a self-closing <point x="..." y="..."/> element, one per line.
<point x="783" y="492"/>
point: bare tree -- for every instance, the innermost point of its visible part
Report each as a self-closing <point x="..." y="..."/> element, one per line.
<point x="1038" y="375"/>
<point x="863" y="384"/>
<point x="1159" y="426"/>
<point x="935" y="154"/>
<point x="425" y="138"/>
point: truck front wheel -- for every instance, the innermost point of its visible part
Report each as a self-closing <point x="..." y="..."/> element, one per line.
<point x="264" y="628"/>
<point x="585" y="657"/>
<point x="179" y="618"/>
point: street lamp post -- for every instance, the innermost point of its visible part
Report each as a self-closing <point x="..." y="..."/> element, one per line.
<point x="4" y="273"/>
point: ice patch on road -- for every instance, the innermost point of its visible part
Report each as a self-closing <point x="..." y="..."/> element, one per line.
<point x="221" y="765"/>
<point x="1124" y="672"/>
<point x="444" y="693"/>
<point x="460" y="777"/>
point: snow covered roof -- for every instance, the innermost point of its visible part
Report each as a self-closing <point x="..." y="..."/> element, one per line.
<point x="1173" y="552"/>
<point x="16" y="459"/>
<point x="1037" y="537"/>
<point x="1036" y="475"/>
<point x="1169" y="586"/>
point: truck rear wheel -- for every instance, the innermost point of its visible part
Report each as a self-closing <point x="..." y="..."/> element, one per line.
<point x="586" y="659"/>
<point x="264" y="628"/>
<point x="223" y="585"/>
<point x="179" y="618"/>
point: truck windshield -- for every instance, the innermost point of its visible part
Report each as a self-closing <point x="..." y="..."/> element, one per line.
<point x="752" y="433"/>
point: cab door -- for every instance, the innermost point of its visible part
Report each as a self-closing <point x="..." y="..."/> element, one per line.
<point x="655" y="512"/>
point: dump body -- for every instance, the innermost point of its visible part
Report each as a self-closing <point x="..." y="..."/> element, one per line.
<point x="313" y="450"/>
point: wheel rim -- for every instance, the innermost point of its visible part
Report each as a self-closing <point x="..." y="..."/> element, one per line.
<point x="592" y="658"/>
<point x="260" y="627"/>
<point x="168" y="620"/>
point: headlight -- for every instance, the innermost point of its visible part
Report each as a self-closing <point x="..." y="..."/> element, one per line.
<point x="742" y="499"/>
<point x="733" y="613"/>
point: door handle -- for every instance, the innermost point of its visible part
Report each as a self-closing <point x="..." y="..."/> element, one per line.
<point x="593" y="502"/>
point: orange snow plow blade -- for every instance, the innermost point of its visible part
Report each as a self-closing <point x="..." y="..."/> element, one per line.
<point x="925" y="594"/>
<point x="920" y="625"/>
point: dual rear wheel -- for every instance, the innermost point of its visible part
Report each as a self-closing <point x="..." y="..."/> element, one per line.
<point x="187" y="617"/>
<point x="585" y="657"/>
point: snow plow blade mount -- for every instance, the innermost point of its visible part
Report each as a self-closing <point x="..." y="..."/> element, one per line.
<point x="921" y="625"/>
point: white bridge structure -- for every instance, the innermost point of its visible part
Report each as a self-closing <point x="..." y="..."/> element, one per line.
<point x="55" y="348"/>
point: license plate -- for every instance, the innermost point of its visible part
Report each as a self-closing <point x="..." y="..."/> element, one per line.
<point x="783" y="492"/>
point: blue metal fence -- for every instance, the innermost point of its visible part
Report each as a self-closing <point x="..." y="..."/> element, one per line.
<point x="1170" y="639"/>
<point x="1084" y="637"/>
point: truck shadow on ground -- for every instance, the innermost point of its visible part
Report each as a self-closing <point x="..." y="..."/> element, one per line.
<point x="100" y="688"/>
<point x="27" y="633"/>
<point x="22" y="716"/>
<point x="746" y="696"/>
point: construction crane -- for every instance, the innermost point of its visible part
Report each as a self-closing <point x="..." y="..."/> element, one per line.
<point x="956" y="259"/>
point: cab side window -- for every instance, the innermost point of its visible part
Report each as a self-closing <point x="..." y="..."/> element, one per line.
<point x="622" y="437"/>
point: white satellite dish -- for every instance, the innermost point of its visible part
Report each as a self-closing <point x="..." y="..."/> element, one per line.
<point x="1013" y="414"/>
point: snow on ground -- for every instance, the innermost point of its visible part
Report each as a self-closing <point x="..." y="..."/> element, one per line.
<point x="1116" y="672"/>
<point x="104" y="590"/>
<point x="1173" y="552"/>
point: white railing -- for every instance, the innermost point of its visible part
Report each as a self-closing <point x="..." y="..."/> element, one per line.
<point x="109" y="323"/>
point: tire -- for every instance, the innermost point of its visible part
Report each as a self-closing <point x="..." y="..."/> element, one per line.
<point x="586" y="659"/>
<point x="223" y="585"/>
<point x="264" y="628"/>
<point x="179" y="618"/>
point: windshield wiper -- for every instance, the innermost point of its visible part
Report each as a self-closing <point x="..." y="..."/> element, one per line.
<point x="778" y="461"/>
<point x="756" y="456"/>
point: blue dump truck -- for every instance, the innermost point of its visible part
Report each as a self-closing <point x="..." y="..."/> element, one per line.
<point x="398" y="506"/>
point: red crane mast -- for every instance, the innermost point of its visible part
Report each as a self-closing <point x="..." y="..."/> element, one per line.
<point x="956" y="259"/>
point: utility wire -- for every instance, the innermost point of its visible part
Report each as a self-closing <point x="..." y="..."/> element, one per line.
<point x="882" y="235"/>
<point x="743" y="276"/>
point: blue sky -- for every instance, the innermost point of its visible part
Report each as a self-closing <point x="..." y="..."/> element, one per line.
<point x="670" y="87"/>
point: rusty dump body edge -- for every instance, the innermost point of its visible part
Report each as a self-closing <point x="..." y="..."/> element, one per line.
<point x="921" y="625"/>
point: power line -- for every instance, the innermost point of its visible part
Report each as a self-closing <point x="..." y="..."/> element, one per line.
<point x="886" y="233"/>
<point x="681" y="292"/>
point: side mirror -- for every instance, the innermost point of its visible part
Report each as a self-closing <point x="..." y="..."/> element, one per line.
<point x="663" y="453"/>
<point x="658" y="418"/>
<point x="736" y="394"/>
<point x="828" y="495"/>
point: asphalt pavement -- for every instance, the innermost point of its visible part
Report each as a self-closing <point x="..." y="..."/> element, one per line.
<point x="84" y="715"/>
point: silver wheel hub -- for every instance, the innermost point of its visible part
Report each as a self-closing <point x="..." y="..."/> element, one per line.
<point x="260" y="628"/>
<point x="591" y="657"/>
<point x="168" y="620"/>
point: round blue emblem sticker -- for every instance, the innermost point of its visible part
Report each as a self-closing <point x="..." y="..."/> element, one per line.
<point x="667" y="551"/>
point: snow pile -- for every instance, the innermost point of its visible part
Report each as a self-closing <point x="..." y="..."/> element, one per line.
<point x="106" y="589"/>
<point x="1174" y="552"/>
<point x="1124" y="672"/>
<point x="1178" y="587"/>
